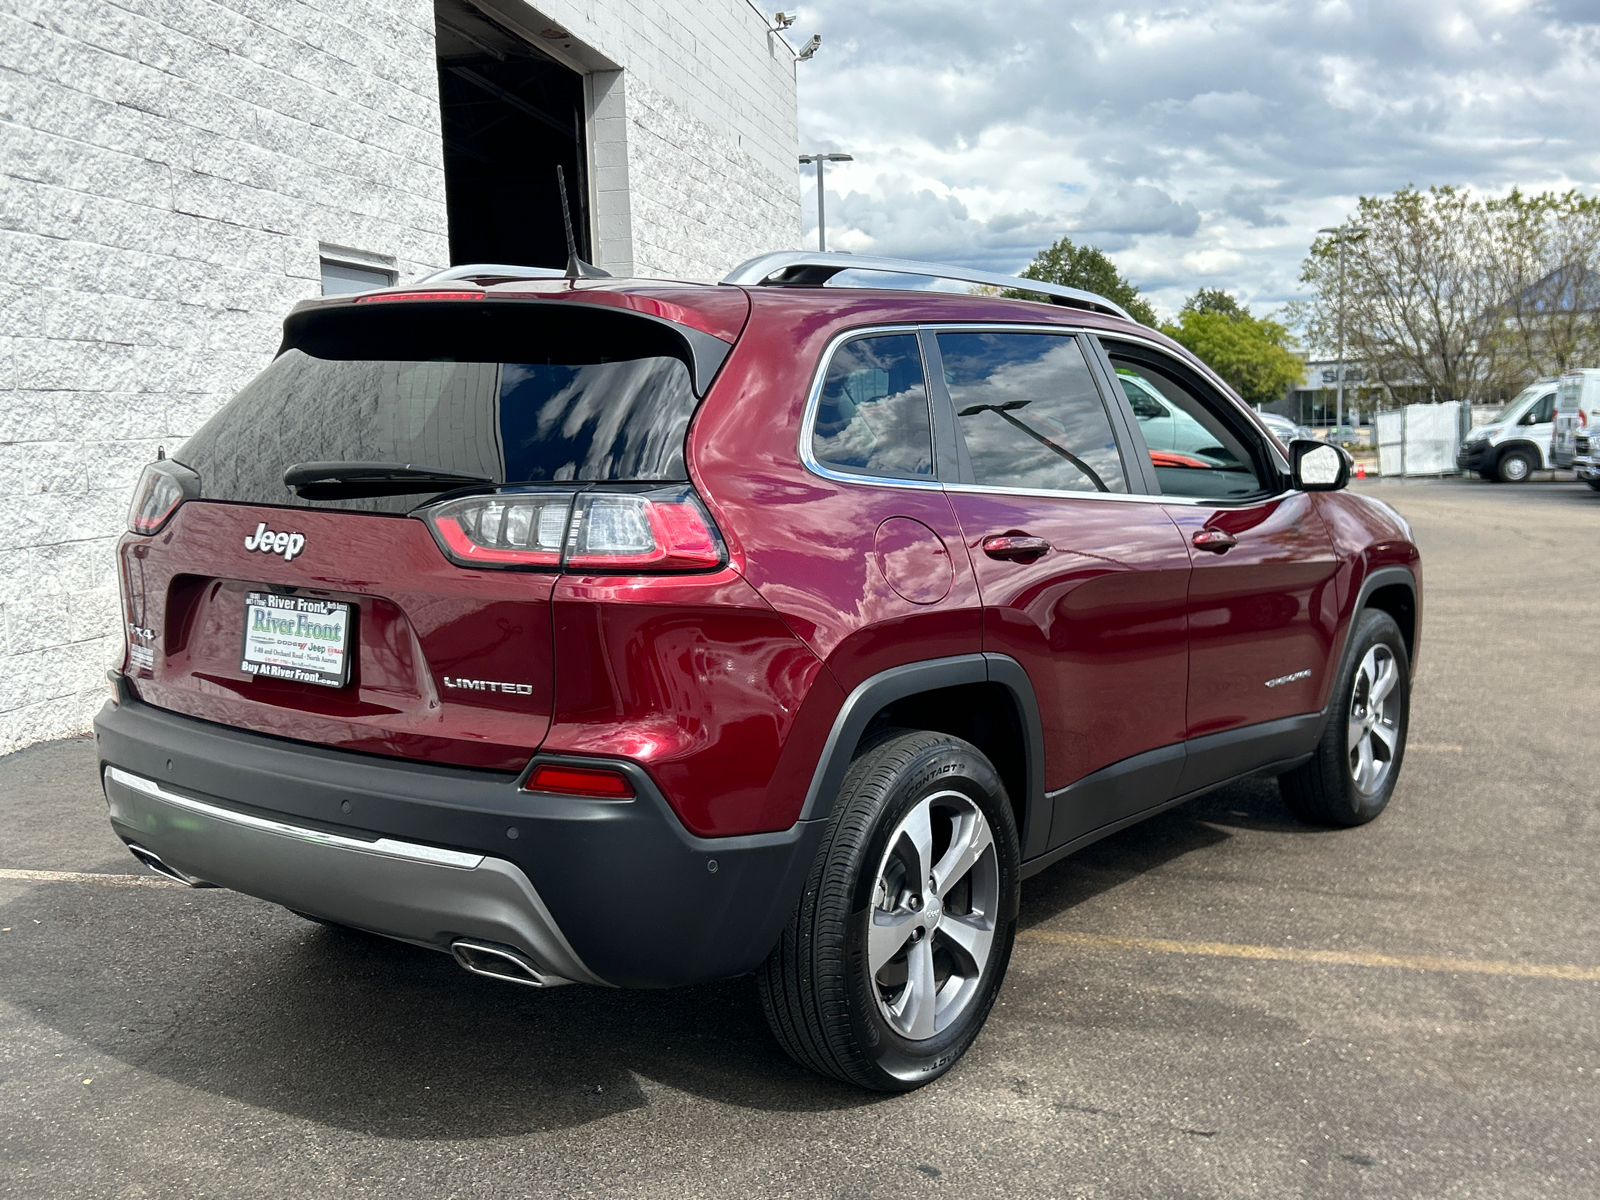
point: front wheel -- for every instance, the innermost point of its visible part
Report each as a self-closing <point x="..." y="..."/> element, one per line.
<point x="889" y="966"/>
<point x="1352" y="774"/>
<point x="1516" y="466"/>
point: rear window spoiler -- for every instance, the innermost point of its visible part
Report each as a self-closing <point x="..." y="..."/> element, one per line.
<point x="470" y="330"/>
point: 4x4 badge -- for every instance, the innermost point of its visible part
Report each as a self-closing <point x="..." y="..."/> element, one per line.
<point x="268" y="542"/>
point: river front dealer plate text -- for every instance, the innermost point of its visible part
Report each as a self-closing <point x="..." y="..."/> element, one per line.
<point x="296" y="638"/>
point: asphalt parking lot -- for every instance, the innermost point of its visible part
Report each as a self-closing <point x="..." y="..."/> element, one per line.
<point x="1220" y="1002"/>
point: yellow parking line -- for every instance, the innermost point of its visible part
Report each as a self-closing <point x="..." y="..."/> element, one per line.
<point x="1347" y="958"/>
<point x="87" y="877"/>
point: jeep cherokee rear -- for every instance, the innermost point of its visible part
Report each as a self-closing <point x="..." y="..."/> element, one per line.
<point x="643" y="634"/>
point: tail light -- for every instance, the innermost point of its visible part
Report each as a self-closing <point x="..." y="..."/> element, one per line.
<point x="162" y="486"/>
<point x="607" y="530"/>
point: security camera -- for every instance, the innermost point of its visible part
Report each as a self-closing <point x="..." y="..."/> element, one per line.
<point x="810" y="47"/>
<point x="784" y="20"/>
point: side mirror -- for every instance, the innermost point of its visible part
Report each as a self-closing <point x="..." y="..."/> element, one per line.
<point x="1318" y="466"/>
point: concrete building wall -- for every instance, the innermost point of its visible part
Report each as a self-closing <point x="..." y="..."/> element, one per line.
<point x="171" y="172"/>
<point x="697" y="126"/>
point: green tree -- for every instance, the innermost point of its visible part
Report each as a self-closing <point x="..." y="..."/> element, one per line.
<point x="1088" y="268"/>
<point x="1416" y="294"/>
<point x="1544" y="266"/>
<point x="1253" y="354"/>
<point x="1215" y="300"/>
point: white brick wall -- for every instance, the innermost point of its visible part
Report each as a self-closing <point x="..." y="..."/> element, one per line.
<point x="167" y="171"/>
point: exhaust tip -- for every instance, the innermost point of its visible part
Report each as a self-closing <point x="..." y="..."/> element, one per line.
<point x="153" y="860"/>
<point x="502" y="962"/>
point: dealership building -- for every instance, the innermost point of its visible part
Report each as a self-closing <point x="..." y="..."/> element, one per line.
<point x="173" y="177"/>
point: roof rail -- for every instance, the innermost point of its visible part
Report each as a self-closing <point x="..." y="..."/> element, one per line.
<point x="476" y="271"/>
<point x="802" y="268"/>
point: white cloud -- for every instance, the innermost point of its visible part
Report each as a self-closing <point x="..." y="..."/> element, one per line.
<point x="1200" y="145"/>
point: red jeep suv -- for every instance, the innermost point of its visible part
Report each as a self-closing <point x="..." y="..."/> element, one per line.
<point x="640" y="634"/>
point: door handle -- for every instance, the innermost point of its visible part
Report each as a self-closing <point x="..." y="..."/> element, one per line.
<point x="1015" y="547"/>
<point x="1218" y="541"/>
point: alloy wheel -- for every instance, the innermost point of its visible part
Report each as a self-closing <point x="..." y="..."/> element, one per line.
<point x="1374" y="736"/>
<point x="933" y="916"/>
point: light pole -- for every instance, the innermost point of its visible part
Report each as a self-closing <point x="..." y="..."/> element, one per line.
<point x="1344" y="233"/>
<point x="819" y="159"/>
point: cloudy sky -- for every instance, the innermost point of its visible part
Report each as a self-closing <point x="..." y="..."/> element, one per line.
<point x="1199" y="143"/>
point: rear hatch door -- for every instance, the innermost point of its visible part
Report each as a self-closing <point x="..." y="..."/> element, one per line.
<point x="322" y="610"/>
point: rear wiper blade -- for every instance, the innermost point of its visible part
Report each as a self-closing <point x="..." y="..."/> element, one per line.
<point x="347" y="480"/>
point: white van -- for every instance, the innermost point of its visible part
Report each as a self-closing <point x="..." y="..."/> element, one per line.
<point x="1577" y="407"/>
<point x="1516" y="443"/>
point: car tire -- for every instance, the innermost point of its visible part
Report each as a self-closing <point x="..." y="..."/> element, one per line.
<point x="1350" y="777"/>
<point x="872" y="983"/>
<point x="1515" y="466"/>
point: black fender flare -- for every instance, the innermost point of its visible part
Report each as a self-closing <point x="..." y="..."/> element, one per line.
<point x="909" y="679"/>
<point x="1380" y="578"/>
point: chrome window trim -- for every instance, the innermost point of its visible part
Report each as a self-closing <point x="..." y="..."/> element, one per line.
<point x="1047" y="493"/>
<point x="383" y="847"/>
<point x="814" y="399"/>
<point x="819" y="376"/>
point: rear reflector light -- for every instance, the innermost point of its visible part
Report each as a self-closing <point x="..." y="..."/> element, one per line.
<point x="161" y="488"/>
<point x="439" y="294"/>
<point x="579" y="781"/>
<point x="664" y="529"/>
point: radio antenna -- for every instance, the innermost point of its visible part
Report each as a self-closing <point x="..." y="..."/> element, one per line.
<point x="576" y="267"/>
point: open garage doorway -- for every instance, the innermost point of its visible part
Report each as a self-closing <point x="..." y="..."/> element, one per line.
<point x="511" y="115"/>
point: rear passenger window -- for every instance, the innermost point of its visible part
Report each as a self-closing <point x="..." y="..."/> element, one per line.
<point x="1030" y="412"/>
<point x="872" y="417"/>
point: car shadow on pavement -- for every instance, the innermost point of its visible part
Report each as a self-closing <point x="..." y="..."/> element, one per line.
<point x="240" y="999"/>
<point x="1202" y="822"/>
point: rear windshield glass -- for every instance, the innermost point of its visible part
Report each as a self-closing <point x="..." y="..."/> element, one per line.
<point x="510" y="422"/>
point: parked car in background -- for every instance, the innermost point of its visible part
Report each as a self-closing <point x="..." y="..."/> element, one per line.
<point x="1175" y="438"/>
<point x="1517" y="442"/>
<point x="642" y="634"/>
<point x="1285" y="430"/>
<point x="1577" y="408"/>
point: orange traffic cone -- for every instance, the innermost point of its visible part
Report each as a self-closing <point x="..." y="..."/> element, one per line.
<point x="1361" y="470"/>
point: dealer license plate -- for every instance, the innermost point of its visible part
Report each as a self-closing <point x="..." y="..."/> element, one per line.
<point x="296" y="638"/>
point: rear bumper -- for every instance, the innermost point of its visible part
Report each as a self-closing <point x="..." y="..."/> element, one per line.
<point x="404" y="890"/>
<point x="592" y="890"/>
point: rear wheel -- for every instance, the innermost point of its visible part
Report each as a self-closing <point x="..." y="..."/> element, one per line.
<point x="1515" y="466"/>
<point x="889" y="966"/>
<point x="1352" y="774"/>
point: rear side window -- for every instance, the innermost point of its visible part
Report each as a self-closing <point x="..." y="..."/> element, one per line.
<point x="510" y="418"/>
<point x="1030" y="412"/>
<point x="872" y="417"/>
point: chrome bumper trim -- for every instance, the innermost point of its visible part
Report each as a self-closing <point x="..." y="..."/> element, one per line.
<point x="387" y="847"/>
